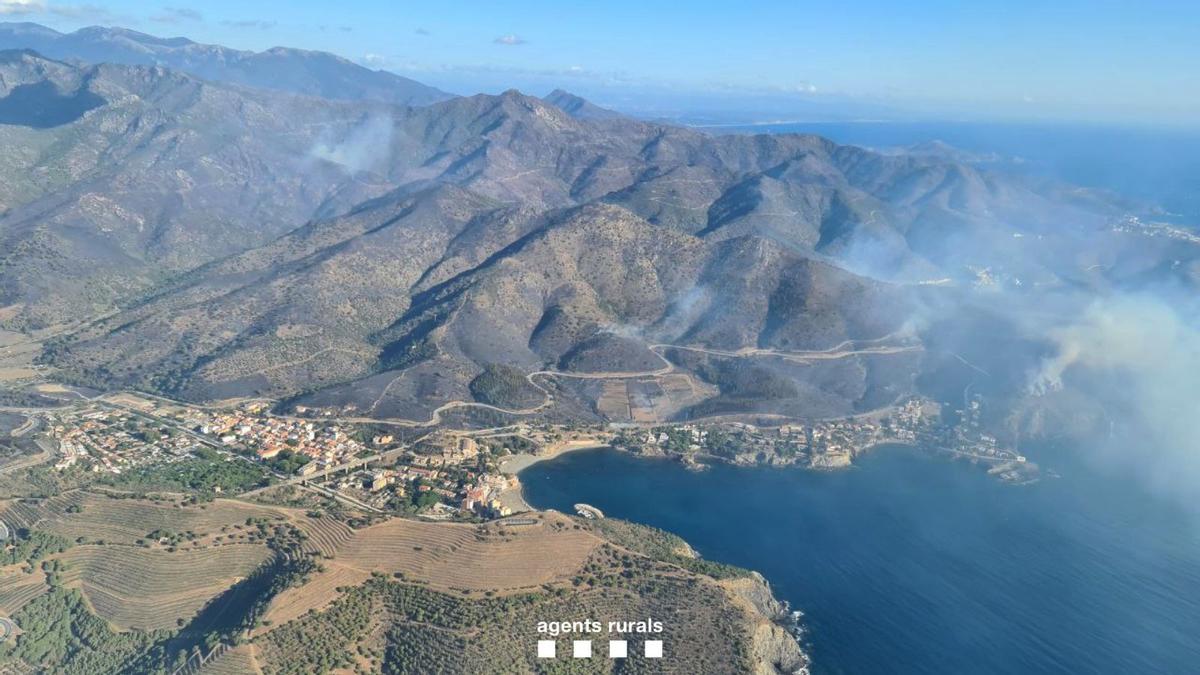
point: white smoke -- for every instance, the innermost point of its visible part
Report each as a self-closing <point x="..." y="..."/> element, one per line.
<point x="1141" y="353"/>
<point x="685" y="311"/>
<point x="1139" y="334"/>
<point x="365" y="148"/>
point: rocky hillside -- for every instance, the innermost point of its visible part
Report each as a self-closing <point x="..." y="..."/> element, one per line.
<point x="226" y="241"/>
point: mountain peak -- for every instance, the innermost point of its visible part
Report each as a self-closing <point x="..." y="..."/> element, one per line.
<point x="578" y="107"/>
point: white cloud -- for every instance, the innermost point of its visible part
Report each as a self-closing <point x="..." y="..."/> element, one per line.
<point x="80" y="12"/>
<point x="18" y="7"/>
<point x="87" y="13"/>
<point x="249" y="23"/>
<point x="510" y="40"/>
<point x="177" y="15"/>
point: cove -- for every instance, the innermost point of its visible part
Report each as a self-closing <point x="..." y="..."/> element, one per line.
<point x="914" y="564"/>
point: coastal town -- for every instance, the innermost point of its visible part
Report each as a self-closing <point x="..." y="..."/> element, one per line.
<point x="443" y="473"/>
<point x="834" y="444"/>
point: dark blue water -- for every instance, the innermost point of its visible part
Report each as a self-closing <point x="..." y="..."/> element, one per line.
<point x="910" y="564"/>
<point x="1159" y="167"/>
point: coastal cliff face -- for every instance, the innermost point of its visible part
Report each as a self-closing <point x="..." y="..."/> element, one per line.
<point x="770" y="648"/>
<point x="773" y="649"/>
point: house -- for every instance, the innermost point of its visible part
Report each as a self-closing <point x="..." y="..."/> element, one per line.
<point x="377" y="480"/>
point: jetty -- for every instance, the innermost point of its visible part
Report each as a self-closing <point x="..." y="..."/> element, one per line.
<point x="589" y="511"/>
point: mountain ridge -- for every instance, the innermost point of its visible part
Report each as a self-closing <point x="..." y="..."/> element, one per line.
<point x="307" y="72"/>
<point x="377" y="257"/>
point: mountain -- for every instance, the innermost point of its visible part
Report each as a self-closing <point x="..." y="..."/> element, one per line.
<point x="130" y="174"/>
<point x="578" y="107"/>
<point x="293" y="70"/>
<point x="379" y="258"/>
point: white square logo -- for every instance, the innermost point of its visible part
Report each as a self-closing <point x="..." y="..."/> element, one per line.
<point x="618" y="649"/>
<point x="545" y="649"/>
<point x="581" y="649"/>
<point x="654" y="649"/>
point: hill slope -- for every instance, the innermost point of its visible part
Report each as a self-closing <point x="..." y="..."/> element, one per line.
<point x="382" y="257"/>
<point x="291" y="70"/>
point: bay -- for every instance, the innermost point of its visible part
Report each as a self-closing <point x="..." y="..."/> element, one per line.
<point x="908" y="563"/>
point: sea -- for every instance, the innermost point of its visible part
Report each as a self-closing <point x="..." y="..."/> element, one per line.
<point x="911" y="563"/>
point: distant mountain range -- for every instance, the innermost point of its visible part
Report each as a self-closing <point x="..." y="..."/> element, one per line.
<point x="292" y="70"/>
<point x="206" y="240"/>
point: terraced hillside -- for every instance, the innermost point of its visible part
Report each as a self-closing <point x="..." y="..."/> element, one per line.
<point x="18" y="587"/>
<point x="325" y="534"/>
<point x="98" y="517"/>
<point x="132" y="587"/>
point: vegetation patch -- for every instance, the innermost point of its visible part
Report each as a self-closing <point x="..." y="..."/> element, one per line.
<point x="505" y="387"/>
<point x="393" y="627"/>
<point x="663" y="546"/>
<point x="207" y="473"/>
<point x="60" y="635"/>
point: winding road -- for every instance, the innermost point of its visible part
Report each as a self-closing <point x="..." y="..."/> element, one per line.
<point x="845" y="349"/>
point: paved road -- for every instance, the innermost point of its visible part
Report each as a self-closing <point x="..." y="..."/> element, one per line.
<point x="846" y="349"/>
<point x="31" y="424"/>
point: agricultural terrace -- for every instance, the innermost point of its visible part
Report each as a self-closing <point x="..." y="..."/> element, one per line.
<point x="101" y="518"/>
<point x="321" y="589"/>
<point x="144" y="589"/>
<point x="237" y="661"/>
<point x="18" y="587"/>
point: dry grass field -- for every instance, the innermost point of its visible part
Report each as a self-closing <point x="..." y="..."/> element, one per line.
<point x="468" y="557"/>
<point x="131" y="401"/>
<point x="17" y="353"/>
<point x="15" y="374"/>
<point x="650" y="399"/>
<point x="614" y="402"/>
<point x="133" y="587"/>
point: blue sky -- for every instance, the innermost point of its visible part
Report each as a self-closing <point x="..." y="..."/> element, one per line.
<point x="1127" y="62"/>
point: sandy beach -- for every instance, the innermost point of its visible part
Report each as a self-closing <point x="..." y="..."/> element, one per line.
<point x="515" y="464"/>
